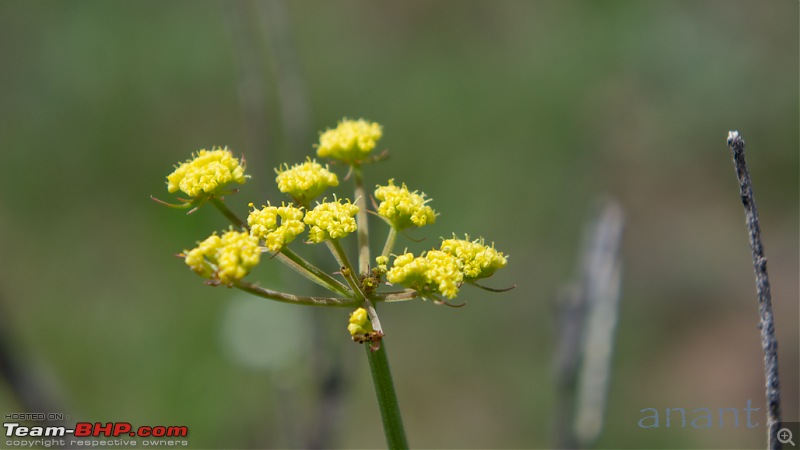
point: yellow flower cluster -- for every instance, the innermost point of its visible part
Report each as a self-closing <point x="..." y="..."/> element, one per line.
<point x="434" y="271"/>
<point x="331" y="220"/>
<point x="304" y="182"/>
<point x="264" y="225"/>
<point x="477" y="260"/>
<point x="351" y="141"/>
<point x="206" y="173"/>
<point x="359" y="322"/>
<point x="402" y="208"/>
<point x="225" y="258"/>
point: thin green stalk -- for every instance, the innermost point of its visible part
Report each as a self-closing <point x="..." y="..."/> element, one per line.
<point x="387" y="248"/>
<point x="312" y="272"/>
<point x="294" y="299"/>
<point x="361" y="220"/>
<point x="230" y="215"/>
<point x="401" y="296"/>
<point x="347" y="269"/>
<point x="387" y="398"/>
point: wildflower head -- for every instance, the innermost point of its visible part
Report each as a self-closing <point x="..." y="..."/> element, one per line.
<point x="477" y="260"/>
<point x="350" y="142"/>
<point x="224" y="259"/>
<point x="206" y="173"/>
<point x="436" y="271"/>
<point x="359" y="323"/>
<point x="264" y="225"/>
<point x="331" y="220"/>
<point x="304" y="182"/>
<point x="402" y="208"/>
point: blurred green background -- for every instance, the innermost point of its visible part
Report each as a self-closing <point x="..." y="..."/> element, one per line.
<point x="514" y="116"/>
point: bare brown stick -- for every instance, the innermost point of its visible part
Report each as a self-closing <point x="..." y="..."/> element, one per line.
<point x="767" y="325"/>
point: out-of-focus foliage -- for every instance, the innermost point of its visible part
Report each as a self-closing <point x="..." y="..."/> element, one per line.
<point x="512" y="115"/>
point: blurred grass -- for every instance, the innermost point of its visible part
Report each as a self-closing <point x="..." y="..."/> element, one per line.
<point x="513" y="116"/>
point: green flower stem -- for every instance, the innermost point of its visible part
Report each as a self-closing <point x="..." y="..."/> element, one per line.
<point x="361" y="219"/>
<point x="230" y="215"/>
<point x="401" y="296"/>
<point x="387" y="398"/>
<point x="387" y="248"/>
<point x="294" y="299"/>
<point x="378" y="362"/>
<point x="312" y="272"/>
<point x="347" y="269"/>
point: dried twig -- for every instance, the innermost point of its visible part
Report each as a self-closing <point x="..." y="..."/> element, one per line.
<point x="767" y="325"/>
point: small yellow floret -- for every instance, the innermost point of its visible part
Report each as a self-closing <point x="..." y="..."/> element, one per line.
<point x="382" y="261"/>
<point x="402" y="208"/>
<point x="351" y="141"/>
<point x="264" y="225"/>
<point x="206" y="173"/>
<point x="331" y="220"/>
<point x="359" y="322"/>
<point x="304" y="182"/>
<point x="225" y="258"/>
<point x="477" y="260"/>
<point x="435" y="271"/>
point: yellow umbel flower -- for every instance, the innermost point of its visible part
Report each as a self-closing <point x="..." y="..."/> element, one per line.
<point x="351" y="141"/>
<point x="331" y="220"/>
<point x="304" y="182"/>
<point x="402" y="208"/>
<point x="264" y="225"/>
<point x="225" y="258"/>
<point x="436" y="271"/>
<point x="359" y="322"/>
<point x="477" y="260"/>
<point x="206" y="173"/>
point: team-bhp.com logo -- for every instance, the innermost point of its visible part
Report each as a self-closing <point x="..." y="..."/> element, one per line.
<point x="122" y="434"/>
<point x="97" y="429"/>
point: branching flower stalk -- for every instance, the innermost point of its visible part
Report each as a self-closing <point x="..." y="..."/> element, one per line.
<point x="769" y="343"/>
<point x="227" y="258"/>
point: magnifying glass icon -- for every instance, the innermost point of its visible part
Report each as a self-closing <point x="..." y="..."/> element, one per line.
<point x="785" y="436"/>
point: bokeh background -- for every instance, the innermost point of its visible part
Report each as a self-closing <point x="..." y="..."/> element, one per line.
<point x="514" y="116"/>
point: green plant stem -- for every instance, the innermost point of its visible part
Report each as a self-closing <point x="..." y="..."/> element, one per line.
<point x="387" y="248"/>
<point x="361" y="219"/>
<point x="230" y="215"/>
<point x="401" y="296"/>
<point x="294" y="299"/>
<point x="376" y="355"/>
<point x="312" y="272"/>
<point x="387" y="398"/>
<point x="347" y="269"/>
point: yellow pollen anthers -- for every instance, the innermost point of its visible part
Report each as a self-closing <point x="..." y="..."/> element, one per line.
<point x="359" y="322"/>
<point x="435" y="271"/>
<point x="227" y="258"/>
<point x="402" y="208"/>
<point x="331" y="220"/>
<point x="264" y="225"/>
<point x="477" y="260"/>
<point x="304" y="182"/>
<point x="351" y="141"/>
<point x="206" y="173"/>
